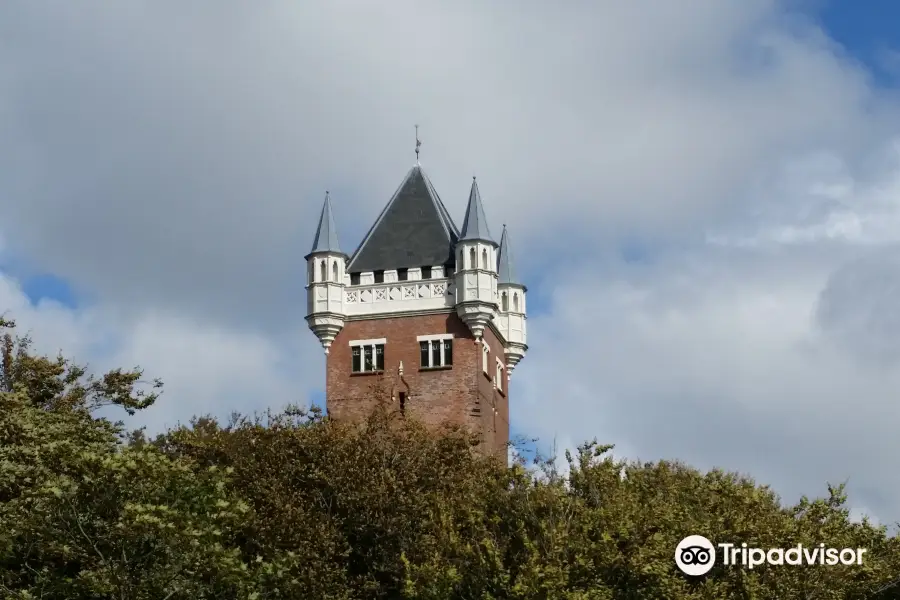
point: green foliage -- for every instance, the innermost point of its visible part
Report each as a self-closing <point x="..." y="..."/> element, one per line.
<point x="293" y="505"/>
<point x="60" y="384"/>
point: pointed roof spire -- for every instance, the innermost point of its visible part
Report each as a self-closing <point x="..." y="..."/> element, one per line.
<point x="506" y="273"/>
<point x="413" y="230"/>
<point x="326" y="234"/>
<point x="475" y="225"/>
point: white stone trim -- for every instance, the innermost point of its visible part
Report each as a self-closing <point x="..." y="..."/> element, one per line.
<point x="485" y="351"/>
<point x="435" y="336"/>
<point x="368" y="342"/>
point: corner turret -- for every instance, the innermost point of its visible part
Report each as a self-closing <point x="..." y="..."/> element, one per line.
<point x="326" y="268"/>
<point x="511" y="316"/>
<point x="476" y="272"/>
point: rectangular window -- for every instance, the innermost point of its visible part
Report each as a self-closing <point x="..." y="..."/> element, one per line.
<point x="402" y="274"/>
<point x="485" y="358"/>
<point x="367" y="356"/>
<point x="436" y="354"/>
<point x="379" y="276"/>
<point x="436" y="351"/>
<point x="499" y="380"/>
<point x="448" y="353"/>
<point x="354" y="278"/>
<point x="357" y="360"/>
<point x="423" y="351"/>
<point x="426" y="272"/>
<point x="379" y="357"/>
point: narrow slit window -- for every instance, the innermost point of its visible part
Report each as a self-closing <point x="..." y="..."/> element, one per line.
<point x="505" y="302"/>
<point x="323" y="271"/>
<point x="334" y="272"/>
<point x="402" y="403"/>
<point x="473" y="263"/>
<point x="484" y="259"/>
<point x="516" y="302"/>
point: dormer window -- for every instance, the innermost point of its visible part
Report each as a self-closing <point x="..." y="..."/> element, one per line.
<point x="402" y="274"/>
<point x="426" y="272"/>
<point x="354" y="278"/>
<point x="379" y="276"/>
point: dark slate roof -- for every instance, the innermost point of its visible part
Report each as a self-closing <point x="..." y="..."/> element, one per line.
<point x="413" y="230"/>
<point x="475" y="225"/>
<point x="506" y="273"/>
<point x="326" y="234"/>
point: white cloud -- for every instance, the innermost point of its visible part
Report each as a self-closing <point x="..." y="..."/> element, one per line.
<point x="170" y="161"/>
<point x="206" y="370"/>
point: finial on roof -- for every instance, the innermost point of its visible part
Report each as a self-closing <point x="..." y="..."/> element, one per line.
<point x="418" y="143"/>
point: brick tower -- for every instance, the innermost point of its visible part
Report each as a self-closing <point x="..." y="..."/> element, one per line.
<point x="424" y="315"/>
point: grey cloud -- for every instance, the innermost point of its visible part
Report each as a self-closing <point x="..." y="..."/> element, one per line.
<point x="160" y="155"/>
<point x="715" y="358"/>
<point x="170" y="159"/>
<point x="859" y="308"/>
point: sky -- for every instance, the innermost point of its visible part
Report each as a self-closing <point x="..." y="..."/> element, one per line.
<point x="703" y="198"/>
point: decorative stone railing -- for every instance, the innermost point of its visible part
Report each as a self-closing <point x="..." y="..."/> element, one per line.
<point x="388" y="292"/>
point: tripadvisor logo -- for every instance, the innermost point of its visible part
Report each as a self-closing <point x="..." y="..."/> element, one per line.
<point x="696" y="555"/>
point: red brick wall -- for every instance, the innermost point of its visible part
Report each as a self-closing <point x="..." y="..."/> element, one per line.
<point x="460" y="394"/>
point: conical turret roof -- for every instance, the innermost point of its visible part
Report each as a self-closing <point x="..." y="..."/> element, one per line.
<point x="475" y="225"/>
<point x="326" y="239"/>
<point x="506" y="272"/>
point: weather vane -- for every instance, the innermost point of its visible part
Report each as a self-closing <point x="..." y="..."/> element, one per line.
<point x="418" y="143"/>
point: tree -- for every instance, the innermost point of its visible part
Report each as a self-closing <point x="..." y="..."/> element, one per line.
<point x="294" y="505"/>
<point x="59" y="383"/>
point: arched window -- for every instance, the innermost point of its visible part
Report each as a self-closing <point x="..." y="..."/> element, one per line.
<point x="516" y="302"/>
<point x="324" y="271"/>
<point x="460" y="265"/>
<point x="310" y="270"/>
<point x="504" y="302"/>
<point x="473" y="262"/>
<point x="484" y="260"/>
<point x="334" y="272"/>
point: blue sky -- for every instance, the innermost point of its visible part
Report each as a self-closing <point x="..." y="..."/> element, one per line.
<point x="711" y="249"/>
<point x="868" y="31"/>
